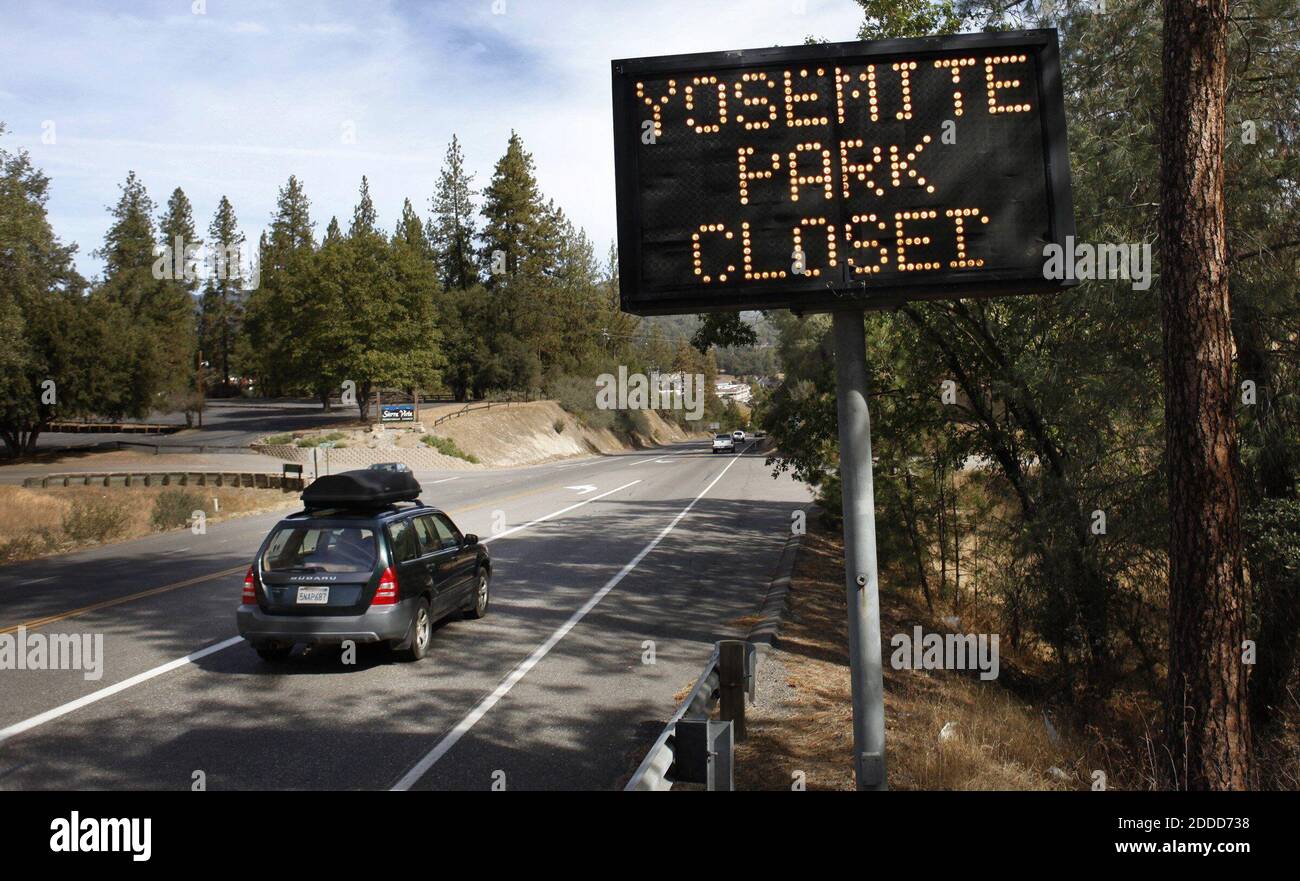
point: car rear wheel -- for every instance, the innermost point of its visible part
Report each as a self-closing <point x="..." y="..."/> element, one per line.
<point x="480" y="598"/>
<point x="274" y="651"/>
<point x="417" y="645"/>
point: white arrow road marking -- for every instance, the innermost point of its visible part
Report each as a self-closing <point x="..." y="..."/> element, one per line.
<point x="583" y="489"/>
<point x="411" y="777"/>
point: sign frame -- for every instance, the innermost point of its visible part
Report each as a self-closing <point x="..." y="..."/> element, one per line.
<point x="824" y="295"/>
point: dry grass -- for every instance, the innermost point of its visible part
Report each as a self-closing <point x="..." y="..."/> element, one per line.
<point x="32" y="521"/>
<point x="1000" y="741"/>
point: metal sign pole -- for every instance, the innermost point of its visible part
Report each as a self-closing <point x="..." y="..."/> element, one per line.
<point x="860" y="572"/>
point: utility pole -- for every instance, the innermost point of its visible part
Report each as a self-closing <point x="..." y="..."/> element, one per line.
<point x="860" y="569"/>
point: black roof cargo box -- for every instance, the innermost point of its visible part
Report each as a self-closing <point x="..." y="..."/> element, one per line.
<point x="361" y="489"/>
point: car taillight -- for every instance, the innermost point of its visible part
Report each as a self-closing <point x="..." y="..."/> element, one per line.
<point x="249" y="596"/>
<point x="386" y="593"/>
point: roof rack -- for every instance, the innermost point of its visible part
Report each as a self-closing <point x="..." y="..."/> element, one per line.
<point x="361" y="490"/>
<point x="360" y="510"/>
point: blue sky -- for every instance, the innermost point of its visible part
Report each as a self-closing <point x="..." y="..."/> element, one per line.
<point x="235" y="99"/>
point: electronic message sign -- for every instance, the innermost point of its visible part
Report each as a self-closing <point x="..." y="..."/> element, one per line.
<point x="852" y="174"/>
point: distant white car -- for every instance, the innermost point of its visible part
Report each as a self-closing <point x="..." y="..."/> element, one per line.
<point x="738" y="436"/>
<point x="724" y="443"/>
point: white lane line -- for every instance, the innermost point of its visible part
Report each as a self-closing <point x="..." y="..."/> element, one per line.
<point x="543" y="519"/>
<point x="95" y="696"/>
<point x="444" y="480"/>
<point x="462" y="728"/>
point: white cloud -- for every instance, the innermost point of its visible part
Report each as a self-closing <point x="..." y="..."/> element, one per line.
<point x="234" y="101"/>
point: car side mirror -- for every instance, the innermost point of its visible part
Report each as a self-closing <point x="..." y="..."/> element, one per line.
<point x="470" y="539"/>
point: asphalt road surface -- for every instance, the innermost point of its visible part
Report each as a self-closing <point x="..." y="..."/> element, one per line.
<point x="595" y="561"/>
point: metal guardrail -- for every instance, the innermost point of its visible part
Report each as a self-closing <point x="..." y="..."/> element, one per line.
<point x="693" y="747"/>
<point x="252" y="479"/>
<point x="161" y="449"/>
<point x="112" y="428"/>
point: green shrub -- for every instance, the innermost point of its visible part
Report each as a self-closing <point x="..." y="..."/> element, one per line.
<point x="578" y="396"/>
<point x="95" y="519"/>
<point x="279" y="439"/>
<point x="639" y="421"/>
<point x="317" y="440"/>
<point x="447" y="447"/>
<point x="558" y="426"/>
<point x="173" y="508"/>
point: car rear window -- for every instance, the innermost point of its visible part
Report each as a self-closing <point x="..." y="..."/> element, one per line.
<point x="723" y="437"/>
<point x="307" y="548"/>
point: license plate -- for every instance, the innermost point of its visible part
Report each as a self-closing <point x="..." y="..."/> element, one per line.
<point x="318" y="596"/>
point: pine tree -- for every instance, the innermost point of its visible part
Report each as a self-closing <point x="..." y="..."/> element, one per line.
<point x="223" y="301"/>
<point x="275" y="311"/>
<point x="176" y="227"/>
<point x="410" y="231"/>
<point x="365" y="221"/>
<point x="515" y="218"/>
<point x="518" y="253"/>
<point x="451" y="229"/>
<point x="1207" y="723"/>
<point x="371" y="316"/>
<point x="129" y="243"/>
<point x="160" y="341"/>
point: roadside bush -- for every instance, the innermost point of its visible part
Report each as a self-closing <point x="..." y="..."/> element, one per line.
<point x="317" y="440"/>
<point x="578" y="396"/>
<point x="636" y="422"/>
<point x="95" y="519"/>
<point x="558" y="426"/>
<point x="447" y="447"/>
<point x="279" y="439"/>
<point x="173" y="508"/>
<point x="28" y="546"/>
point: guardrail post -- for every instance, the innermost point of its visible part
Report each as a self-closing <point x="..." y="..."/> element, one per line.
<point x="702" y="753"/>
<point x="732" y="669"/>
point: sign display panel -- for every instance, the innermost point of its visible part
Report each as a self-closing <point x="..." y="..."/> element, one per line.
<point x="857" y="173"/>
<point x="397" y="413"/>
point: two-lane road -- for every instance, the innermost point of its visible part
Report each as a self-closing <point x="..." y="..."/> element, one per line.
<point x="600" y="565"/>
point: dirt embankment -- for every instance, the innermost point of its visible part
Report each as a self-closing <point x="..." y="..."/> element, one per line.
<point x="499" y="437"/>
<point x="541" y="431"/>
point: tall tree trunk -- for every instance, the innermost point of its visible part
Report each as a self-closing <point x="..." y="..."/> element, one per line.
<point x="1207" y="725"/>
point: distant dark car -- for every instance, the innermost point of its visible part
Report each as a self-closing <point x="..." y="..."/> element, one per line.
<point x="363" y="561"/>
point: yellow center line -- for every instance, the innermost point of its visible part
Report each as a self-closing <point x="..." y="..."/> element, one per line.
<point x="117" y="601"/>
<point x="154" y="591"/>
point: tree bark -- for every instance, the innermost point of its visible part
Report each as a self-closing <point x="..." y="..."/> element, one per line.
<point x="1207" y="725"/>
